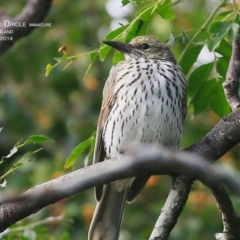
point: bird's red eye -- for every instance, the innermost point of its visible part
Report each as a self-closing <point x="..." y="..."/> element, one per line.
<point x="144" y="46"/>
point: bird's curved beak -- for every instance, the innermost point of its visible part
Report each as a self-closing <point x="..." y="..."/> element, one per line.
<point x="122" y="47"/>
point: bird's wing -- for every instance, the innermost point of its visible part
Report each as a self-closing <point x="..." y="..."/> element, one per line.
<point x="107" y="105"/>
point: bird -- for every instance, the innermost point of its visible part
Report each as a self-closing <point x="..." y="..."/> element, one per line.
<point x="144" y="102"/>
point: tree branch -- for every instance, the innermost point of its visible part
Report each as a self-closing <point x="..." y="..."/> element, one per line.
<point x="172" y="208"/>
<point x="160" y="162"/>
<point x="212" y="146"/>
<point x="217" y="142"/>
<point x="230" y="218"/>
<point x="230" y="85"/>
<point x="34" y="12"/>
<point x="207" y="147"/>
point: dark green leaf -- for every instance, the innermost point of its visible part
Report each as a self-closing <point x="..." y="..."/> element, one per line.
<point x="219" y="27"/>
<point x="222" y="66"/>
<point x="125" y="2"/>
<point x="224" y="49"/>
<point x="190" y="58"/>
<point x="77" y="151"/>
<point x="203" y="97"/>
<point x="141" y="27"/>
<point x="218" y="101"/>
<point x="215" y="41"/>
<point x="197" y="79"/>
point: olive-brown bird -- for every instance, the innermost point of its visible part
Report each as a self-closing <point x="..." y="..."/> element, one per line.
<point x="144" y="102"/>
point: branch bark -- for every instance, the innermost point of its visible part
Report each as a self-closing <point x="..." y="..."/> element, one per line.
<point x="212" y="146"/>
<point x="161" y="161"/>
<point x="230" y="85"/>
<point x="170" y="212"/>
<point x="231" y="220"/>
<point x="34" y="12"/>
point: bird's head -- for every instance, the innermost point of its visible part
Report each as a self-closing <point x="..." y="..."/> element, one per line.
<point x="143" y="46"/>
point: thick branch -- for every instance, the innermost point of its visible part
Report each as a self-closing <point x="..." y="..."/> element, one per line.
<point x="230" y="85"/>
<point x="159" y="162"/>
<point x="34" y="12"/>
<point x="212" y="146"/>
<point x="225" y="135"/>
<point x="220" y="139"/>
<point x="209" y="146"/>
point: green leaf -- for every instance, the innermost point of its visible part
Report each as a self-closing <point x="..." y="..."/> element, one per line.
<point x="219" y="27"/>
<point x="138" y="28"/>
<point x="117" y="57"/>
<point x="77" y="151"/>
<point x="203" y="97"/>
<point x="17" y="165"/>
<point x="222" y="66"/>
<point x="115" y="33"/>
<point x="183" y="38"/>
<point x="197" y="79"/>
<point x="227" y="15"/>
<point x="215" y="41"/>
<point x="220" y="30"/>
<point x="233" y="31"/>
<point x="36" y="139"/>
<point x="147" y="12"/>
<point x="125" y="2"/>
<point x="105" y="49"/>
<point x="141" y="22"/>
<point x="141" y="27"/>
<point x="225" y="49"/>
<point x="165" y="10"/>
<point x="190" y="58"/>
<point x="48" y="70"/>
<point x="218" y="102"/>
<point x="93" y="56"/>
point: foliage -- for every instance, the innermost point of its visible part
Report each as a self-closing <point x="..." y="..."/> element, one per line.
<point x="65" y="107"/>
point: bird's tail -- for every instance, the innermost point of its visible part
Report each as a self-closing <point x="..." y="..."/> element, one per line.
<point x="107" y="217"/>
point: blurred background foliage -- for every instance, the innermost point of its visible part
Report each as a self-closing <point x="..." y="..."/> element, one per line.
<point x="65" y="107"/>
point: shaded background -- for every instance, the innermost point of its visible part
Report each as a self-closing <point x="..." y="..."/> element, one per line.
<point x="65" y="107"/>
